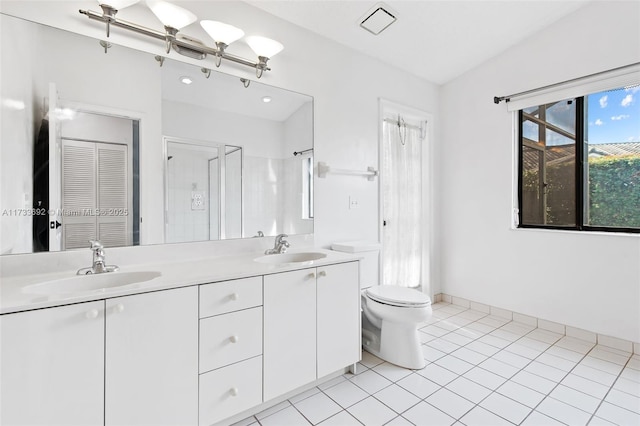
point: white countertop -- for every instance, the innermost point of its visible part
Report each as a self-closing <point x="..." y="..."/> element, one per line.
<point x="14" y="298"/>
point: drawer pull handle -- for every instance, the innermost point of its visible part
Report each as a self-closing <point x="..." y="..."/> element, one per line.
<point x="234" y="296"/>
<point x="322" y="273"/>
<point x="234" y="391"/>
<point x="92" y="314"/>
<point x="118" y="308"/>
<point x="234" y="339"/>
<point x="311" y="275"/>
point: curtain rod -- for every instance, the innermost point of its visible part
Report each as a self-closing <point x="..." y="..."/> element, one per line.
<point x="498" y="99"/>
<point x="410" y="126"/>
<point x="301" y="152"/>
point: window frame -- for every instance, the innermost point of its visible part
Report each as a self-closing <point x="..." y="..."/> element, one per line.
<point x="580" y="178"/>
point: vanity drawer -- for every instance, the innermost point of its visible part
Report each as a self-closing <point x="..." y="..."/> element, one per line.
<point x="229" y="296"/>
<point x="230" y="390"/>
<point x="226" y="339"/>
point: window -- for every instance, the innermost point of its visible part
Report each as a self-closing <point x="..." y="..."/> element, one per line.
<point x="579" y="163"/>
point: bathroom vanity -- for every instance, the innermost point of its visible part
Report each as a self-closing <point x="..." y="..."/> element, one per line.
<point x="198" y="344"/>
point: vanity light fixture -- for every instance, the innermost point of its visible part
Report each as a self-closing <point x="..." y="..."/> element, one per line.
<point x="174" y="18"/>
<point x="266" y="99"/>
<point x="186" y="80"/>
<point x="222" y="34"/>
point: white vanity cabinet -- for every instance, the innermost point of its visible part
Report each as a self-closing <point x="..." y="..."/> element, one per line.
<point x="52" y="366"/>
<point x="311" y="325"/>
<point x="151" y="358"/>
<point x="230" y="348"/>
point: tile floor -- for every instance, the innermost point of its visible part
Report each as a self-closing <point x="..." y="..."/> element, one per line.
<point x="482" y="370"/>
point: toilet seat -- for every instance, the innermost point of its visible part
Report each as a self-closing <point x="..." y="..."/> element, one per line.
<point x="398" y="296"/>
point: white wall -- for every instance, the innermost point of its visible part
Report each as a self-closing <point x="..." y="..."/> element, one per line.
<point x="585" y="280"/>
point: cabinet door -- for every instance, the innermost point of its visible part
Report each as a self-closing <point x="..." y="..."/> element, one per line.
<point x="289" y="331"/>
<point x="52" y="366"/>
<point x="151" y="374"/>
<point x="338" y="304"/>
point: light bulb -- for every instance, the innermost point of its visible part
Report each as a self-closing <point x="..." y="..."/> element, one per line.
<point x="263" y="46"/>
<point x="221" y="32"/>
<point x="171" y="15"/>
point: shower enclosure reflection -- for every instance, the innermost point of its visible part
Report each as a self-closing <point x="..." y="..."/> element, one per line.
<point x="203" y="191"/>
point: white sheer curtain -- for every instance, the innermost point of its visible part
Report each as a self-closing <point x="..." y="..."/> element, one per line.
<point x="402" y="205"/>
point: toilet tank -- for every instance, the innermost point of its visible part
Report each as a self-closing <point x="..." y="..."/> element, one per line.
<point x="370" y="262"/>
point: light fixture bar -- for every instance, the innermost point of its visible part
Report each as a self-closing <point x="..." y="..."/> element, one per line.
<point x="181" y="42"/>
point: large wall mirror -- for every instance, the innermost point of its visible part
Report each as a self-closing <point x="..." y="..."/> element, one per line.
<point x="104" y="143"/>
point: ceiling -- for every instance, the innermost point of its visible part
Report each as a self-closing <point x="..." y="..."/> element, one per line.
<point x="435" y="40"/>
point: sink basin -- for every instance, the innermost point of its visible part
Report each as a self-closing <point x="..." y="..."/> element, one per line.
<point x="93" y="282"/>
<point x="279" y="259"/>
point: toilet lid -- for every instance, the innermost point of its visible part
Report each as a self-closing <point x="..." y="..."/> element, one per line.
<point x="398" y="296"/>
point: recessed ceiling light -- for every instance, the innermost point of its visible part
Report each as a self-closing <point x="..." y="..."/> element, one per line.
<point x="266" y="99"/>
<point x="186" y="80"/>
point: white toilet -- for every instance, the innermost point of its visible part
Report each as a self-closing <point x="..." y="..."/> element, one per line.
<point x="390" y="319"/>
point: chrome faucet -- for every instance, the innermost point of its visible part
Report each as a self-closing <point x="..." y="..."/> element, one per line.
<point x="281" y="245"/>
<point x="99" y="266"/>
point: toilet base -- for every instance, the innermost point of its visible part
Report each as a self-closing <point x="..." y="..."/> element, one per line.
<point x="395" y="336"/>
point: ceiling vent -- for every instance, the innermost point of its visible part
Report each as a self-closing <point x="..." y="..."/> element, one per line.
<point x="378" y="19"/>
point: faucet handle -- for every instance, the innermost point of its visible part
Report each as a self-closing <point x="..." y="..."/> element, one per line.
<point x="280" y="237"/>
<point x="96" y="245"/>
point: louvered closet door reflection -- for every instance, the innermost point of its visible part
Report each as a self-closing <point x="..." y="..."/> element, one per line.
<point x="78" y="193"/>
<point x="94" y="194"/>
<point x="113" y="195"/>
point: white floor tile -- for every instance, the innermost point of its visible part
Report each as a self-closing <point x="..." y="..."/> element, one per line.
<point x="418" y="385"/>
<point x="437" y="374"/>
<point x="333" y="382"/>
<point x="372" y="412"/>
<point x="370" y="381"/>
<point x="628" y="386"/>
<point x="431" y="354"/>
<point x="485" y="378"/>
<point x="286" y="417"/>
<point x="458" y="338"/>
<point x="469" y="356"/>
<point x="454" y="364"/>
<point x="443" y="345"/>
<point x="585" y="385"/>
<point x="449" y="402"/>
<point x="564" y="353"/>
<point x="494" y="341"/>
<point x="512" y="359"/>
<point x="479" y="327"/>
<point x="545" y="336"/>
<point x="546" y="371"/>
<point x="600" y="364"/>
<point x="506" y="408"/>
<point x="468" y="389"/>
<point x="246" y="422"/>
<point x="597" y="421"/>
<point x="481" y="417"/>
<point x="399" y="421"/>
<point x="521" y="394"/>
<point x="539" y="419"/>
<point x="617" y="415"/>
<point x="624" y="400"/>
<point x="505" y="335"/>
<point x="346" y="394"/>
<point x="472" y="314"/>
<point x="369" y="360"/>
<point x="523" y="350"/>
<point x="434" y="330"/>
<point x="426" y="337"/>
<point x="594" y="374"/>
<point x="424" y="412"/>
<point x="482" y="348"/>
<point x="631" y="374"/>
<point x="634" y="362"/>
<point x="343" y="418"/>
<point x="493" y="321"/>
<point x="318" y="407"/>
<point x="534" y="344"/>
<point x="304" y="395"/>
<point x="519" y="328"/>
<point x="556" y="361"/>
<point x="563" y="412"/>
<point x="269" y="411"/>
<point x="576" y="345"/>
<point x="391" y="371"/>
<point x="499" y="368"/>
<point x="397" y="398"/>
<point x="610" y="354"/>
<point x="576" y="398"/>
<point x="534" y="382"/>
